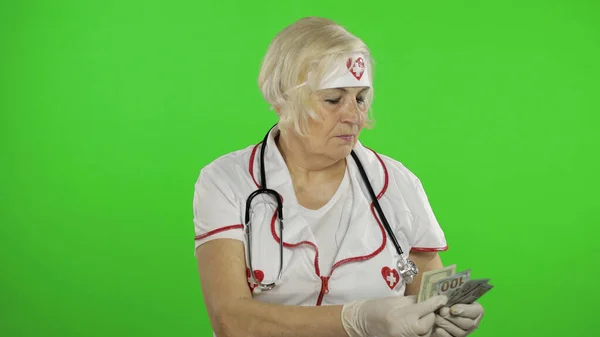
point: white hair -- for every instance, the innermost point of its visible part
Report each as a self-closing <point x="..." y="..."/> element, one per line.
<point x="309" y="44"/>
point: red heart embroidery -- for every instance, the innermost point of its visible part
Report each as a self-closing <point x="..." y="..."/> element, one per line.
<point x="357" y="68"/>
<point x="258" y="275"/>
<point x="390" y="276"/>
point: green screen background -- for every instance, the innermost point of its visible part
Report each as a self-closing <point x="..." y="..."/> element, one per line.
<point x="110" y="109"/>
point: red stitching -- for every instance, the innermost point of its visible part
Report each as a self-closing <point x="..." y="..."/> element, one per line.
<point x="378" y="250"/>
<point x="316" y="260"/>
<point x="421" y="249"/>
<point x="294" y="245"/>
<point x="383" y="234"/>
<point x="287" y="245"/>
<point x="218" y="230"/>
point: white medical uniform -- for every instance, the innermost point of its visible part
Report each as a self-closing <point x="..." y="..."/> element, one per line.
<point x="333" y="255"/>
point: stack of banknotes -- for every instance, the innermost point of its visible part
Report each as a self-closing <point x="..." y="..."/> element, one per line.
<point x="458" y="287"/>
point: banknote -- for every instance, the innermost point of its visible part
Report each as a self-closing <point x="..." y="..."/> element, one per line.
<point x="429" y="281"/>
<point x="465" y="289"/>
<point x="452" y="284"/>
<point x="470" y="292"/>
<point x="472" y="284"/>
<point x="474" y="294"/>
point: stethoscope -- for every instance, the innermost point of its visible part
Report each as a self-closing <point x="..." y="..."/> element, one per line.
<point x="406" y="268"/>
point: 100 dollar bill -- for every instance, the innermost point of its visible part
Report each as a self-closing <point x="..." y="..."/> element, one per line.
<point x="429" y="280"/>
<point x="458" y="287"/>
<point x="452" y="284"/>
<point x="470" y="292"/>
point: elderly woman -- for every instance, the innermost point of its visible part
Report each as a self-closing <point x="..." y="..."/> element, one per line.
<point x="306" y="232"/>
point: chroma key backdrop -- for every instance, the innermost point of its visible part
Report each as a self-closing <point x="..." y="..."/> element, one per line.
<point x="108" y="111"/>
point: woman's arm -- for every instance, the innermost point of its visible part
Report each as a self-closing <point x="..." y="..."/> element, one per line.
<point x="233" y="312"/>
<point x="425" y="261"/>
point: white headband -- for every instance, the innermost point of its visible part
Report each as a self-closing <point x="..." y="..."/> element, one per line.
<point x="351" y="73"/>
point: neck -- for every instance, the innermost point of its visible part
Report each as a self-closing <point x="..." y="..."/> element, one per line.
<point x="307" y="168"/>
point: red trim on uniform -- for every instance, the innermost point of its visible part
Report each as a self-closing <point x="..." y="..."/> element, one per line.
<point x="238" y="226"/>
<point x="421" y="249"/>
<point x="384" y="237"/>
<point x="294" y="245"/>
<point x="218" y="230"/>
<point x="324" y="288"/>
<point x="325" y="283"/>
<point x="274" y="218"/>
<point x="385" y="175"/>
<point x="251" y="164"/>
<point x="325" y="279"/>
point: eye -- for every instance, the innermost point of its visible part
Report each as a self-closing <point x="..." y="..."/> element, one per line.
<point x="360" y="100"/>
<point x="333" y="101"/>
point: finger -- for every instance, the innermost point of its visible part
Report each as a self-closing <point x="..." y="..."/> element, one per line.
<point x="439" y="332"/>
<point x="430" y="305"/>
<point x="449" y="327"/>
<point x="472" y="310"/>
<point x="458" y="319"/>
<point x="444" y="312"/>
<point x="428" y="334"/>
<point x="461" y="322"/>
<point x="424" y="324"/>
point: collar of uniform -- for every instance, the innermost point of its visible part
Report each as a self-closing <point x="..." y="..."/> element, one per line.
<point x="367" y="237"/>
<point x="279" y="178"/>
<point x="296" y="228"/>
<point x="276" y="171"/>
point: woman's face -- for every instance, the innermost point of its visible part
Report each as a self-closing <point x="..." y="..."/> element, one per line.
<point x="343" y="113"/>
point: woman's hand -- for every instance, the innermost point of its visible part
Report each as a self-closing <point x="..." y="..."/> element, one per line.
<point x="397" y="316"/>
<point x="459" y="320"/>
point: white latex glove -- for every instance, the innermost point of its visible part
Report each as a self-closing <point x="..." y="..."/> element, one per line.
<point x="458" y="321"/>
<point x="397" y="316"/>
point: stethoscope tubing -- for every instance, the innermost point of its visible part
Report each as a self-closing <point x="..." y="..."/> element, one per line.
<point x="263" y="189"/>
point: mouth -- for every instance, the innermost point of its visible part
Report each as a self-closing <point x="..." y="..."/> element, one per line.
<point x="347" y="138"/>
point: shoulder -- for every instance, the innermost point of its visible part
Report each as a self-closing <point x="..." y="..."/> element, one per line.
<point x="401" y="178"/>
<point x="395" y="173"/>
<point x="397" y="169"/>
<point x="401" y="186"/>
<point x="232" y="168"/>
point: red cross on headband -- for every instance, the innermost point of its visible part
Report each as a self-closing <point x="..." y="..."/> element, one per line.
<point x="353" y="73"/>
<point x="356" y="67"/>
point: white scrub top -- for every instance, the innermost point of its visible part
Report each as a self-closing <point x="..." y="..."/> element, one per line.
<point x="361" y="256"/>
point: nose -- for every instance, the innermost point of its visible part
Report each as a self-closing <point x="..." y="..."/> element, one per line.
<point x="352" y="113"/>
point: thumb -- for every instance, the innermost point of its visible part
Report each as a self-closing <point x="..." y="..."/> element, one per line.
<point x="430" y="305"/>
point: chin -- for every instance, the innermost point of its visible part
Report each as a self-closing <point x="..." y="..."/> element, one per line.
<point x="345" y="152"/>
<point x="340" y="151"/>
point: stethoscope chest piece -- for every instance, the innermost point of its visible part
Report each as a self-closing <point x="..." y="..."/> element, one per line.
<point x="407" y="269"/>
